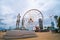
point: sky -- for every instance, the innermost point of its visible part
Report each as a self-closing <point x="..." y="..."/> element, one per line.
<point x="9" y="9"/>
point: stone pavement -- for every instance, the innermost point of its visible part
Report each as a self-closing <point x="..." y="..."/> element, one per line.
<point x="19" y="34"/>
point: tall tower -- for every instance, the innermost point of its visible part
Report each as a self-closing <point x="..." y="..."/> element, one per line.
<point x="18" y="21"/>
<point x="40" y="24"/>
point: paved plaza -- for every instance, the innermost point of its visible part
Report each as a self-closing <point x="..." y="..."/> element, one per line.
<point x="40" y="36"/>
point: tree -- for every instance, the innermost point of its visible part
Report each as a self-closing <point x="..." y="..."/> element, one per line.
<point x="57" y="19"/>
<point x="58" y="22"/>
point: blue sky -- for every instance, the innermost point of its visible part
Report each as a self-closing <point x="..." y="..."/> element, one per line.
<point x="10" y="8"/>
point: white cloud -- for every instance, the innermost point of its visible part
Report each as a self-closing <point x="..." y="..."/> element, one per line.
<point x="11" y="7"/>
<point x="6" y="10"/>
<point x="8" y="14"/>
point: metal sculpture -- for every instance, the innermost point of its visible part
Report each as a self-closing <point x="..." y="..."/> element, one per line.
<point x="32" y="16"/>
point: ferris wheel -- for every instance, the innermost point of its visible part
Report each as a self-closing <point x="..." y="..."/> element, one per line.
<point x="31" y="17"/>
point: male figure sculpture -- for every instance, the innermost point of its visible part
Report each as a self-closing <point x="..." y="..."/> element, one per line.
<point x="18" y="21"/>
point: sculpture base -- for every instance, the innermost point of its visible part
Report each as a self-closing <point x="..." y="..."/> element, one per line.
<point x="23" y="28"/>
<point x="19" y="34"/>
